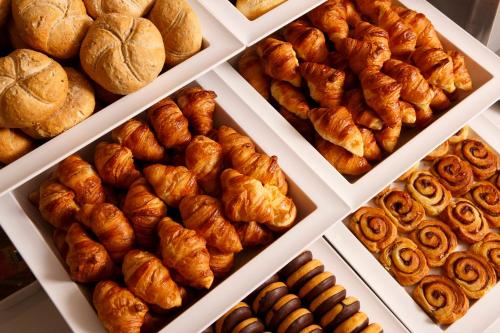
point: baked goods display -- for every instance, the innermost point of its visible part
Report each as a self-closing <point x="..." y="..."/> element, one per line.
<point x="253" y="9"/>
<point x="360" y="73"/>
<point x="436" y="227"/>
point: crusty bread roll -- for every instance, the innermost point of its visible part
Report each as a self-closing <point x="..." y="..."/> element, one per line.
<point x="136" y="8"/>
<point x="4" y="11"/>
<point x="180" y="28"/>
<point x="33" y="86"/>
<point x="122" y="53"/>
<point x="80" y="103"/>
<point x="255" y="8"/>
<point x="55" y="27"/>
<point x="13" y="145"/>
<point x="15" y="40"/>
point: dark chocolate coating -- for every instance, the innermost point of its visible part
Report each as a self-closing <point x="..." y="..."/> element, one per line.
<point x="236" y="317"/>
<point x="329" y="303"/>
<point x="319" y="288"/>
<point x="253" y="294"/>
<point x="306" y="277"/>
<point x="283" y="312"/>
<point x="255" y="327"/>
<point x="295" y="264"/>
<point x="300" y="323"/>
<point x="270" y="298"/>
<point x="347" y="312"/>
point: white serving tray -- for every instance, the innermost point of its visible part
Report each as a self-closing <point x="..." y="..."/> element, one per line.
<point x="220" y="44"/>
<point x="481" y="315"/>
<point x="318" y="208"/>
<point x="251" y="31"/>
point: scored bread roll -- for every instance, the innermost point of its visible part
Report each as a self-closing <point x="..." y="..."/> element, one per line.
<point x="4" y="11"/>
<point x="136" y="8"/>
<point x="15" y="40"/>
<point x="122" y="53"/>
<point x="79" y="105"/>
<point x="179" y="27"/>
<point x="33" y="87"/>
<point x="13" y="145"/>
<point x="255" y="8"/>
<point x="55" y="27"/>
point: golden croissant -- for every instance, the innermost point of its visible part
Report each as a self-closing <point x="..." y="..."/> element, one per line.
<point x="290" y="98"/>
<point x="353" y="17"/>
<point x="231" y="139"/>
<point x="372" y="151"/>
<point x="169" y="124"/>
<point x="325" y="83"/>
<point x="250" y="67"/>
<point x="388" y="137"/>
<point x="402" y="39"/>
<point x="440" y="102"/>
<point x="115" y="164"/>
<point x="338" y="61"/>
<point x="331" y="18"/>
<point x="220" y="263"/>
<point x="253" y="234"/>
<point x="363" y="53"/>
<point x="198" y="107"/>
<point x="57" y="204"/>
<point x="279" y="59"/>
<point x="436" y="66"/>
<point x="361" y="113"/>
<point x="344" y="161"/>
<point x="408" y="113"/>
<point x="308" y="42"/>
<point x="303" y="126"/>
<point x="372" y="8"/>
<point x="426" y="35"/>
<point x="463" y="80"/>
<point x="284" y="210"/>
<point x="370" y="33"/>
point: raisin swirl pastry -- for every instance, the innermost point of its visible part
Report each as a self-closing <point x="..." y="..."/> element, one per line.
<point x="459" y="136"/>
<point x="436" y="240"/>
<point x="482" y="160"/>
<point x="489" y="248"/>
<point x="405" y="261"/>
<point x="495" y="180"/>
<point x="403" y="211"/>
<point x="373" y="228"/>
<point x="441" y="298"/>
<point x="487" y="198"/>
<point x="466" y="220"/>
<point x="455" y="174"/>
<point x="426" y="189"/>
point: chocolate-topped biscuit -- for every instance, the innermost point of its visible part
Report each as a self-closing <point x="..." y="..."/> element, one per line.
<point x="253" y="294"/>
<point x="295" y="264"/>
<point x="340" y="312"/>
<point x="354" y="324"/>
<point x="312" y="329"/>
<point x="281" y="309"/>
<point x="325" y="301"/>
<point x="296" y="321"/>
<point x="373" y="328"/>
<point x="316" y="286"/>
<point x="266" y="298"/>
<point x="306" y="272"/>
<point x="250" y="325"/>
<point x="233" y="317"/>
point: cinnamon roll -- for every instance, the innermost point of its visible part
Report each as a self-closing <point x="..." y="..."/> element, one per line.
<point x="441" y="298"/>
<point x="461" y="135"/>
<point x="482" y="160"/>
<point x="487" y="197"/>
<point x="495" y="180"/>
<point x="408" y="172"/>
<point x="466" y="220"/>
<point x="405" y="261"/>
<point x="403" y="211"/>
<point x="454" y="173"/>
<point x="440" y="151"/>
<point x="489" y="248"/>
<point x="471" y="272"/>
<point x="426" y="189"/>
<point x="373" y="228"/>
<point x="436" y="240"/>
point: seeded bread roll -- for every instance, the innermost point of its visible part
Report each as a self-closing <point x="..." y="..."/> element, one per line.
<point x="13" y="145"/>
<point x="136" y="8"/>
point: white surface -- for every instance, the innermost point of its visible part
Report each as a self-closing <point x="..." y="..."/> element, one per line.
<point x="19" y="295"/>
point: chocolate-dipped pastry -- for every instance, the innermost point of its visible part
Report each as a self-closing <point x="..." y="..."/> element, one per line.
<point x="339" y="313"/>
<point x="312" y="329"/>
<point x="253" y="294"/>
<point x="233" y="317"/>
<point x="373" y="328"/>
<point x="250" y="325"/>
<point x="281" y="309"/>
<point x="296" y="321"/>
<point x="354" y="324"/>
<point x="306" y="272"/>
<point x="266" y="298"/>
<point x="327" y="300"/>
<point x="316" y="286"/>
<point x="295" y="264"/>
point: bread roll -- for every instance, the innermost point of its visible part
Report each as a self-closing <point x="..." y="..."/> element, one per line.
<point x="4" y="11"/>
<point x="55" y="27"/>
<point x="122" y="53"/>
<point x="15" y="40"/>
<point x="13" y="145"/>
<point x="179" y="27"/>
<point x="33" y="86"/>
<point x="79" y="105"/>
<point x="136" y="8"/>
<point x="255" y="8"/>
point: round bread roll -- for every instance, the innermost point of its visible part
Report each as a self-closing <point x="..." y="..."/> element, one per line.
<point x="13" y="145"/>
<point x="4" y="11"/>
<point x="179" y="27"/>
<point x="122" y="53"/>
<point x="55" y="27"/>
<point x="33" y="86"/>
<point x="136" y="8"/>
<point x="15" y="40"/>
<point x="80" y="103"/>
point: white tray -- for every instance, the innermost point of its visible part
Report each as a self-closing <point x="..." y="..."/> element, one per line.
<point x="319" y="207"/>
<point x="481" y="314"/>
<point x="220" y="44"/>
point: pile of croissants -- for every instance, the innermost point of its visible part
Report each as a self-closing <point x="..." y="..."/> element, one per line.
<point x="350" y="74"/>
<point x="113" y="214"/>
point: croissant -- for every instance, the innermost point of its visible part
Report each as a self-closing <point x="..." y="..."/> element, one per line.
<point x="284" y="210"/>
<point x="325" y="83"/>
<point x="220" y="263"/>
<point x="388" y="137"/>
<point x="352" y="15"/>
<point x="338" y="61"/>
<point x="138" y="137"/>
<point x="230" y="139"/>
<point x="436" y="66"/>
<point x="345" y="162"/>
<point x="169" y="124"/>
<point x="303" y="126"/>
<point x="198" y="107"/>
<point x="307" y="41"/>
<point x="59" y="238"/>
<point x="148" y="279"/>
<point x="115" y="164"/>
<point x="336" y="125"/>
<point x="363" y="53"/>
<point x="171" y="183"/>
<point x="250" y="67"/>
<point x="361" y="113"/>
<point x="370" y="33"/>
<point x="372" y="8"/>
<point x="203" y="214"/>
<point x="463" y="80"/>
<point x="408" y="113"/>
<point x="331" y="18"/>
<point x="57" y="204"/>
<point x="144" y="210"/>
<point x="290" y="98"/>
<point x="87" y="260"/>
<point x="372" y="151"/>
<point x="381" y="94"/>
<point x="426" y="35"/>
<point x="440" y="102"/>
<point x="244" y="198"/>
<point x="185" y="251"/>
<point x="118" y="309"/>
<point x="253" y="234"/>
<point x="279" y="59"/>
<point x="402" y="39"/>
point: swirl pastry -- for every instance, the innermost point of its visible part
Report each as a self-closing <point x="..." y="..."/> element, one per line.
<point x="440" y="151"/>
<point x="482" y="160"/>
<point x="471" y="272"/>
<point x="403" y="211"/>
<point x="426" y="189"/>
<point x="441" y="298"/>
<point x="489" y="248"/>
<point x="495" y="180"/>
<point x="373" y="228"/>
<point x="405" y="261"/>
<point x="487" y="198"/>
<point x="455" y="174"/>
<point x="466" y="220"/>
<point x="436" y="240"/>
<point x="461" y="135"/>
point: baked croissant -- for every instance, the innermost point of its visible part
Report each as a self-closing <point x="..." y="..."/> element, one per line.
<point x="169" y="124"/>
<point x="144" y="210"/>
<point x="361" y="113"/>
<point x="325" y="83"/>
<point x="372" y="8"/>
<point x="363" y="53"/>
<point x="230" y="139"/>
<point x="203" y="214"/>
<point x="290" y="98"/>
<point x="138" y="137"/>
<point x="279" y="59"/>
<point x="336" y="125"/>
<point x="57" y="204"/>
<point x="426" y="35"/>
<point x="118" y="309"/>
<point x="253" y="234"/>
<point x="463" y="80"/>
<point x="115" y="164"/>
<point x="80" y="177"/>
<point x="171" y="183"/>
<point x="372" y="151"/>
<point x="185" y="251"/>
<point x="370" y="33"/>
<point x="388" y="137"/>
<point x="250" y="67"/>
<point x="331" y="18"/>
<point x="198" y="107"/>
<point x="284" y="210"/>
<point x="87" y="260"/>
<point x="338" y="61"/>
<point x="220" y="263"/>
<point x="440" y="102"/>
<point x="402" y="39"/>
<point x="381" y="94"/>
<point x="244" y="198"/>
<point x="345" y="162"/>
<point x="352" y="15"/>
<point x="436" y="66"/>
<point x="307" y="41"/>
<point x="148" y="279"/>
<point x="303" y="126"/>
<point x="408" y="113"/>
